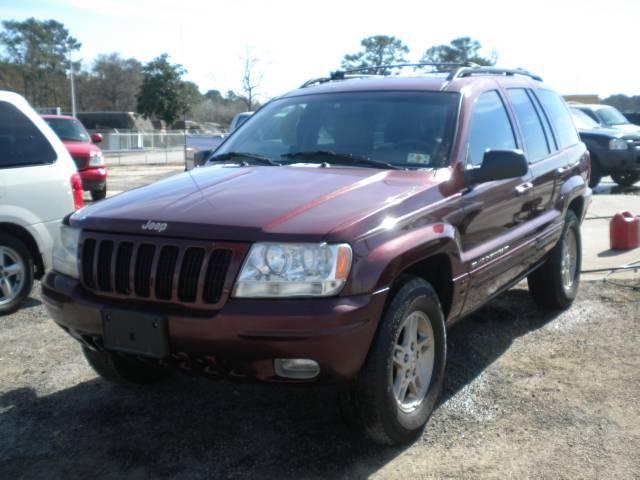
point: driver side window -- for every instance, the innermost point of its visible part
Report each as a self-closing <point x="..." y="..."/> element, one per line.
<point x="490" y="128"/>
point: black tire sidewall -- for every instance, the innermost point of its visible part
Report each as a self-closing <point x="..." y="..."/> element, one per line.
<point x="596" y="173"/>
<point x="399" y="426"/>
<point x="626" y="179"/>
<point x="21" y="249"/>
<point x="99" y="194"/>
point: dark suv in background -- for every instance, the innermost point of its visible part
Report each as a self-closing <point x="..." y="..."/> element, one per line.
<point x="613" y="151"/>
<point x="336" y="236"/>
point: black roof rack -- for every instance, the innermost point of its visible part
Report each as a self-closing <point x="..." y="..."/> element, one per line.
<point x="455" y="70"/>
<point x="356" y="72"/>
<point x="477" y="70"/>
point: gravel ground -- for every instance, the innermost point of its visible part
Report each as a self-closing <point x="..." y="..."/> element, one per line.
<point x="528" y="394"/>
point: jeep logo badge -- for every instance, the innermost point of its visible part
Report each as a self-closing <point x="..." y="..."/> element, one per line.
<point x="155" y="226"/>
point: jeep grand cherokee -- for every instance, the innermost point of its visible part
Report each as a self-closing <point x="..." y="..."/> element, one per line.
<point x="335" y="237"/>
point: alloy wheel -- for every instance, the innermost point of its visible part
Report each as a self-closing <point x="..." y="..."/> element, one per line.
<point x="413" y="361"/>
<point x="12" y="275"/>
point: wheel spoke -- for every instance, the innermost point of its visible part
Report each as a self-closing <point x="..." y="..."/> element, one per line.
<point x="13" y="269"/>
<point x="1" y="257"/>
<point x="404" y="386"/>
<point x="400" y="356"/>
<point x="5" y="286"/>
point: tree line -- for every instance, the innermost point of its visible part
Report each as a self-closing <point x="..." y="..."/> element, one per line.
<point x="36" y="60"/>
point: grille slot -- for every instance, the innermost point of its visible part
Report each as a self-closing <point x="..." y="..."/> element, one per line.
<point x="189" y="273"/>
<point x="144" y="262"/>
<point x="123" y="265"/>
<point x="88" y="251"/>
<point x="156" y="270"/>
<point x="164" y="273"/>
<point x="216" y="273"/>
<point x="104" y="264"/>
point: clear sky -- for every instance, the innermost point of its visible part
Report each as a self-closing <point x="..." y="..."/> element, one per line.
<point x="577" y="46"/>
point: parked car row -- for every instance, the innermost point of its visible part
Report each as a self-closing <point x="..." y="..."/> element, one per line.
<point x="614" y="143"/>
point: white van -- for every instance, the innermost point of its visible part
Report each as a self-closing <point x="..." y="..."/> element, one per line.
<point x="39" y="185"/>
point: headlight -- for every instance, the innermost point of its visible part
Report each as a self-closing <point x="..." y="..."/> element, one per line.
<point x="65" y="251"/>
<point x="96" y="159"/>
<point x="294" y="270"/>
<point x="618" y="144"/>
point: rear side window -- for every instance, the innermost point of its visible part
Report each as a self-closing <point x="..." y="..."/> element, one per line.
<point x="21" y="143"/>
<point x="534" y="138"/>
<point x="490" y="128"/>
<point x="559" y="117"/>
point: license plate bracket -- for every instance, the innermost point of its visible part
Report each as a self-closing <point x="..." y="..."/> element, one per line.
<point x="137" y="333"/>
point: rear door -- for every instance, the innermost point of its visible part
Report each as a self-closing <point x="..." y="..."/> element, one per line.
<point x="551" y="172"/>
<point x="493" y="231"/>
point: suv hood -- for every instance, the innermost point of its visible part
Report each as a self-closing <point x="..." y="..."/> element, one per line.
<point x="252" y="203"/>
<point x="80" y="149"/>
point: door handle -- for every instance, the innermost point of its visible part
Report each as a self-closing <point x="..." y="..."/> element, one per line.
<point x="563" y="170"/>
<point x="523" y="188"/>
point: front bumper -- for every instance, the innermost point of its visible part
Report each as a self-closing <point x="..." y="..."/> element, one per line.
<point x="620" y="161"/>
<point x="246" y="335"/>
<point x="93" y="178"/>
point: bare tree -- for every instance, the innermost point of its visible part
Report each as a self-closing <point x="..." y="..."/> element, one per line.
<point x="252" y="75"/>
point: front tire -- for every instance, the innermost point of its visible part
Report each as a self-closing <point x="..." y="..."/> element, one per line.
<point x="99" y="194"/>
<point x="626" y="179"/>
<point x="555" y="284"/>
<point x="16" y="273"/>
<point x="397" y="389"/>
<point x="127" y="371"/>
<point x="596" y="173"/>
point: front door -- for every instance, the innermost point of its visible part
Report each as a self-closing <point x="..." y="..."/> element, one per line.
<point x="493" y="233"/>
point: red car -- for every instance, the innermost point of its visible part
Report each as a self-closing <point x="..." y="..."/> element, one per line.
<point x="85" y="153"/>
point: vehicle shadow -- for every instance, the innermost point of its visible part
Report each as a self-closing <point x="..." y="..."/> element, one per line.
<point x="195" y="428"/>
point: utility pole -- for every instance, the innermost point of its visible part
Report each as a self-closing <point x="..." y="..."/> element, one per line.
<point x="73" y="87"/>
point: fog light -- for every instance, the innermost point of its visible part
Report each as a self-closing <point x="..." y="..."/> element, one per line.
<point x="297" y="368"/>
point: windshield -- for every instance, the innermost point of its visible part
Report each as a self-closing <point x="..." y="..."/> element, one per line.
<point x="611" y="116"/>
<point x="406" y="129"/>
<point x="582" y="120"/>
<point x="68" y="129"/>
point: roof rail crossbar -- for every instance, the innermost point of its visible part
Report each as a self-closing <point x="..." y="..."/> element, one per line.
<point x="356" y="72"/>
<point x="469" y="71"/>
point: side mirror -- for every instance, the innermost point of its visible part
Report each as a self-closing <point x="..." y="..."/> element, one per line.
<point x="201" y="156"/>
<point x="96" y="138"/>
<point x="498" y="165"/>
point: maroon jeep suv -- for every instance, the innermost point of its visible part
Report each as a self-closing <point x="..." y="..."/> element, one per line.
<point x="336" y="236"/>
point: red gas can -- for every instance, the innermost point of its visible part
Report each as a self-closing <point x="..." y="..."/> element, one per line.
<point x="624" y="231"/>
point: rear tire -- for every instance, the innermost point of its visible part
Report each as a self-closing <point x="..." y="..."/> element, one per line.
<point x="555" y="284"/>
<point x="397" y="389"/>
<point x="99" y="194"/>
<point x="626" y="179"/>
<point x="127" y="371"/>
<point x="16" y="273"/>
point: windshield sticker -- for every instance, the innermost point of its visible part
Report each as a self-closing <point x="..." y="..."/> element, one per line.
<point x="418" y="158"/>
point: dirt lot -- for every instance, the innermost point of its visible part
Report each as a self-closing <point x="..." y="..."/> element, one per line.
<point x="528" y="394"/>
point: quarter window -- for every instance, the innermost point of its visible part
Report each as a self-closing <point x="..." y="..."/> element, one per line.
<point x="21" y="143"/>
<point x="559" y="117"/>
<point x="490" y="128"/>
<point x="535" y="140"/>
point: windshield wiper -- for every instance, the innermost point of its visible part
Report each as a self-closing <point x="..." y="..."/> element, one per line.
<point x="340" y="158"/>
<point x="247" y="158"/>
